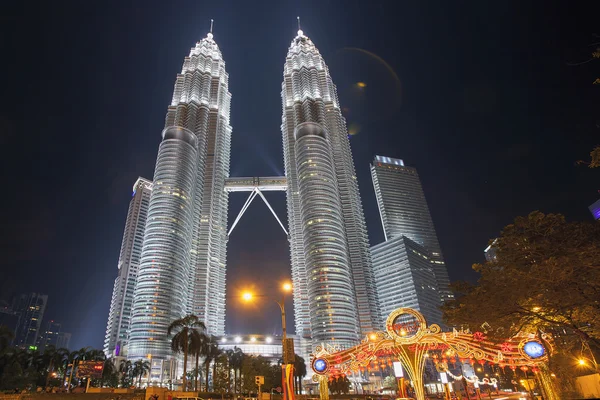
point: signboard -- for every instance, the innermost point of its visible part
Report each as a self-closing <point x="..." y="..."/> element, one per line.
<point x="398" y="369"/>
<point x="444" y="377"/>
<point x="90" y="369"/>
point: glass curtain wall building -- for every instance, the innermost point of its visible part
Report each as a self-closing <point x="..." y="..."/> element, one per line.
<point x="405" y="278"/>
<point x="119" y="315"/>
<point x="184" y="249"/>
<point x="404" y="212"/>
<point x="31" y="308"/>
<point x="309" y="96"/>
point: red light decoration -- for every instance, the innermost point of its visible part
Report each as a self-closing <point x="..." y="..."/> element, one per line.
<point x="479" y="336"/>
<point x="506" y="347"/>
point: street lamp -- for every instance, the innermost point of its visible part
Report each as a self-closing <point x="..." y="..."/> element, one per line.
<point x="287" y="358"/>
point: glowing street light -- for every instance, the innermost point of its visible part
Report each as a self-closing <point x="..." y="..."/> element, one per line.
<point x="286" y="288"/>
<point x="581" y="361"/>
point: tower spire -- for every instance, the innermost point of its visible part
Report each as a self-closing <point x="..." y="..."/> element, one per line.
<point x="210" y="34"/>
<point x="300" y="33"/>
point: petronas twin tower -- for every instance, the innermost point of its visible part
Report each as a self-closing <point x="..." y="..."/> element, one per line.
<point x="182" y="267"/>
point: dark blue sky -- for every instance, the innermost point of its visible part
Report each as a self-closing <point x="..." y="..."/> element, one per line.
<point x="477" y="95"/>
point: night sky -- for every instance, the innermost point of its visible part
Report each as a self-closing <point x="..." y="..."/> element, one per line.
<point x="479" y="97"/>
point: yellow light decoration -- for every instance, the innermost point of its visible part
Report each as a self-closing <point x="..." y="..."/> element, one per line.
<point x="408" y="339"/>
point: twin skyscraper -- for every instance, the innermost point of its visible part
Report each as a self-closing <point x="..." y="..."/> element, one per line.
<point x="173" y="256"/>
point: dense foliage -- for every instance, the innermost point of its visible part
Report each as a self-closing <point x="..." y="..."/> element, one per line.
<point x="23" y="369"/>
<point x="545" y="278"/>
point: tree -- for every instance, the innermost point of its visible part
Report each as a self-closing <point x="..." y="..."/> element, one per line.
<point x="236" y="362"/>
<point x="546" y="277"/>
<point x="54" y="358"/>
<point x="140" y="368"/>
<point x="186" y="328"/>
<point x="126" y="369"/>
<point x="197" y="347"/>
<point x="210" y="352"/>
<point x="299" y="372"/>
<point x="110" y="374"/>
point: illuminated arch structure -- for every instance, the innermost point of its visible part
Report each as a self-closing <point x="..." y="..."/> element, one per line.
<point x="410" y="340"/>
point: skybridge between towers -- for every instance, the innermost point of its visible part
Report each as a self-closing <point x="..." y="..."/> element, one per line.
<point x="256" y="186"/>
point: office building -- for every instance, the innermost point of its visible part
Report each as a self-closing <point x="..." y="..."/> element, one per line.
<point x="49" y="336"/>
<point x="182" y="268"/>
<point x="404" y="212"/>
<point x="31" y="308"/>
<point x="119" y="316"/>
<point x="328" y="235"/>
<point x="62" y="340"/>
<point x="405" y="278"/>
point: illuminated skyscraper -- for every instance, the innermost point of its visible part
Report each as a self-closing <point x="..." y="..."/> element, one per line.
<point x="404" y="212"/>
<point x="405" y="278"/>
<point x="31" y="308"/>
<point x="334" y="294"/>
<point x="119" y="316"/>
<point x="182" y="266"/>
<point x="49" y="337"/>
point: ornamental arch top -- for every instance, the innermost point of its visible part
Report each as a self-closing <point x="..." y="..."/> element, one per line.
<point x="408" y="339"/>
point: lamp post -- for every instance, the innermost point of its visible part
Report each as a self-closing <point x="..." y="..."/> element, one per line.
<point x="287" y="370"/>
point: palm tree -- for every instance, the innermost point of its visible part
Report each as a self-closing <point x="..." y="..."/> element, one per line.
<point x="229" y="354"/>
<point x="197" y="345"/>
<point x="126" y="369"/>
<point x="186" y="328"/>
<point x="55" y="358"/>
<point x="140" y="368"/>
<point x="210" y="352"/>
<point x="216" y="353"/>
<point x="299" y="372"/>
<point x="236" y="364"/>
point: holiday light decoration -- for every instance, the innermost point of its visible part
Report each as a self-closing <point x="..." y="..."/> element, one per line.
<point x="411" y="341"/>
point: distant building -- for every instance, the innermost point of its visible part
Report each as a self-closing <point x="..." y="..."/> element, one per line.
<point x="9" y="318"/>
<point x="404" y="277"/>
<point x="119" y="316"/>
<point x="48" y="336"/>
<point x="490" y="252"/>
<point x="30" y="307"/>
<point x="404" y="212"/>
<point x="595" y="210"/>
<point x="62" y="340"/>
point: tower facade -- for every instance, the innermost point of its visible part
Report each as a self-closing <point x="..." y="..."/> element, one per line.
<point x="119" y="315"/>
<point x="49" y="337"/>
<point x="405" y="278"/>
<point x="328" y="238"/>
<point x="404" y="212"/>
<point x="184" y="249"/>
<point x="31" y="308"/>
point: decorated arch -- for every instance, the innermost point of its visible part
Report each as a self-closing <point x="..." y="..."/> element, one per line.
<point x="409" y="340"/>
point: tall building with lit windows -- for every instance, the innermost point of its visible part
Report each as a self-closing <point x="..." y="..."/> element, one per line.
<point x="119" y="316"/>
<point x="182" y="266"/>
<point x="334" y="288"/>
<point x="405" y="278"/>
<point x="404" y="212"/>
<point x="30" y="307"/>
